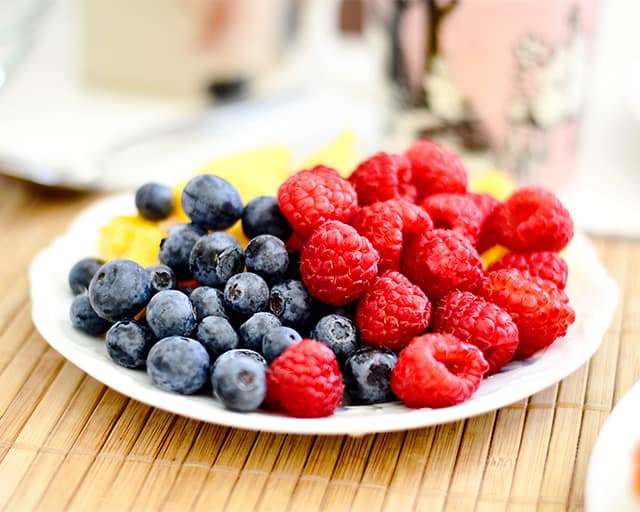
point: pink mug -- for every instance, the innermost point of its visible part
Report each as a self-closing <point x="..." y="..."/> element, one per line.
<point x="500" y="81"/>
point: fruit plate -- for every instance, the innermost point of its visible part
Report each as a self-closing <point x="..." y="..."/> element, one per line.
<point x="611" y="471"/>
<point x="592" y="292"/>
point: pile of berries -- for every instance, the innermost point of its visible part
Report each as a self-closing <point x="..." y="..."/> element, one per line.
<point x="361" y="290"/>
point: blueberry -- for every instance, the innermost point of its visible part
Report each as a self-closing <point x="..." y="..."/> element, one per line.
<point x="251" y="331"/>
<point x="211" y="202"/>
<point x="245" y="294"/>
<point x="215" y="258"/>
<point x="81" y="273"/>
<point x="367" y="375"/>
<point x="267" y="256"/>
<point x="128" y="343"/>
<point x="239" y="381"/>
<point x="154" y="201"/>
<point x="178" y="364"/>
<point x="119" y="289"/>
<point x="208" y="301"/>
<point x="162" y="278"/>
<point x="217" y="335"/>
<point x="262" y="216"/>
<point x="276" y="340"/>
<point x="176" y="248"/>
<point x="291" y="303"/>
<point x="170" y="313"/>
<point x="339" y="333"/>
<point x="293" y="270"/>
<point x="84" y="318"/>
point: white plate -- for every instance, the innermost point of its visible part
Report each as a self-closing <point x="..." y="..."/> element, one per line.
<point x="611" y="467"/>
<point x="593" y="294"/>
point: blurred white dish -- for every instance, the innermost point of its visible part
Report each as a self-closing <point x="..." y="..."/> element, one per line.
<point x="593" y="294"/>
<point x="611" y="467"/>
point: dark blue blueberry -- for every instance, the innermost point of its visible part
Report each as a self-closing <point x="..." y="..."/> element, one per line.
<point x="176" y="248"/>
<point x="128" y="343"/>
<point x="162" y="278"/>
<point x="339" y="333"/>
<point x="208" y="301"/>
<point x="262" y="216"/>
<point x="275" y="341"/>
<point x="119" y="289"/>
<point x="154" y="201"/>
<point x="84" y="318"/>
<point x="215" y="258"/>
<point x="251" y="331"/>
<point x="367" y="375"/>
<point x="211" y="202"/>
<point x="178" y="364"/>
<point x="81" y="273"/>
<point x="217" y="335"/>
<point x="239" y="381"/>
<point x="170" y="313"/>
<point x="267" y="256"/>
<point x="293" y="270"/>
<point x="245" y="294"/>
<point x="291" y="303"/>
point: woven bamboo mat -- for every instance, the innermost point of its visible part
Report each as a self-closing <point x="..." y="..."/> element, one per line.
<point x="69" y="443"/>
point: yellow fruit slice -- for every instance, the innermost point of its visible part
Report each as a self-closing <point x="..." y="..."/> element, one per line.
<point x="131" y="237"/>
<point x="493" y="182"/>
<point x="256" y="172"/>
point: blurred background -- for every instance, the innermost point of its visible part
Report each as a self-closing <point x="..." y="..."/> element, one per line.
<point x="106" y="94"/>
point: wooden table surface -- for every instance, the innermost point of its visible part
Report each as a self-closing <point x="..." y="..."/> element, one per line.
<point x="69" y="443"/>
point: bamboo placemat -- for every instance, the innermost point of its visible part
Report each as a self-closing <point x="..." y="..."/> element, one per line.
<point x="69" y="443"/>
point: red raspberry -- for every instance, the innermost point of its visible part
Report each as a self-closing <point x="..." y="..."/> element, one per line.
<point x="381" y="177"/>
<point x="454" y="211"/>
<point x="486" y="203"/>
<point x="414" y="219"/>
<point x="534" y="220"/>
<point x="491" y="230"/>
<point x="545" y="264"/>
<point x="295" y="242"/>
<point x="338" y="264"/>
<point x="542" y="313"/>
<point x="483" y="324"/>
<point x="382" y="225"/>
<point x="392" y="311"/>
<point x="436" y="169"/>
<point x="309" y="198"/>
<point x="440" y="261"/>
<point x="437" y="370"/>
<point x="305" y="380"/>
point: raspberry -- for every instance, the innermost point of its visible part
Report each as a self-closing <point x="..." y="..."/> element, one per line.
<point x="309" y="198"/>
<point x="437" y="370"/>
<point x="305" y="380"/>
<point x="440" y="261"/>
<point x="392" y="311"/>
<point x="454" y="211"/>
<point x="491" y="230"/>
<point x="545" y="264"/>
<point x="436" y="169"/>
<point x="338" y="264"/>
<point x="381" y="177"/>
<point x="382" y="225"/>
<point x="542" y="313"/>
<point x="414" y="219"/>
<point x="486" y="203"/>
<point x="483" y="324"/>
<point x="534" y="220"/>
